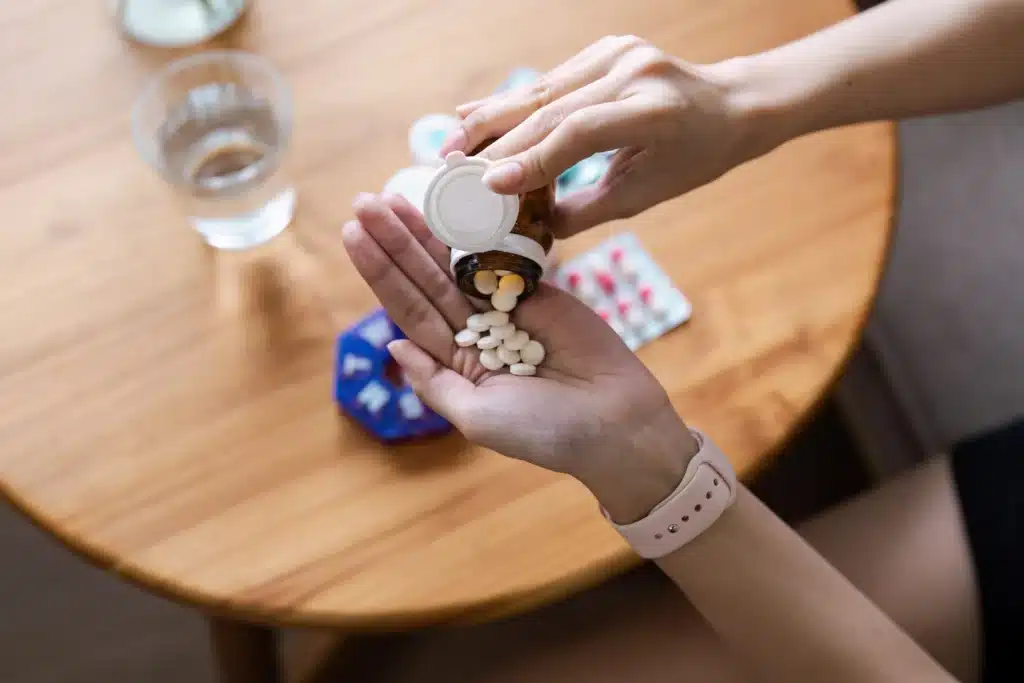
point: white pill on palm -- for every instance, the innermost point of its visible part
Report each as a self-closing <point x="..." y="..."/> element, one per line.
<point x="488" y="342"/>
<point x="485" y="281"/>
<point x="507" y="355"/>
<point x="532" y="353"/>
<point x="494" y="318"/>
<point x="517" y="341"/>
<point x="467" y="337"/>
<point x="503" y="301"/>
<point x="489" y="359"/>
<point x="477" y="322"/>
<point x="503" y="331"/>
<point x="523" y="369"/>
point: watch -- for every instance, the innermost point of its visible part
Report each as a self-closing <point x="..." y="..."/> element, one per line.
<point x="708" y="488"/>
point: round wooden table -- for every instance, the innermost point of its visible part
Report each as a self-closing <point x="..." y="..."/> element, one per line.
<point x="166" y="410"/>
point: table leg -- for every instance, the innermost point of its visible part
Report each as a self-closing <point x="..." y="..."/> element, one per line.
<point x="244" y="653"/>
<point x="362" y="659"/>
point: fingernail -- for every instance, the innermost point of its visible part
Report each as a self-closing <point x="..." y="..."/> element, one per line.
<point x="406" y="358"/>
<point x="350" y="231"/>
<point x="456" y="142"/>
<point x="362" y="198"/>
<point x="504" y="177"/>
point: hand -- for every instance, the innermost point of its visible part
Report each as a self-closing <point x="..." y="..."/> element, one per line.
<point x="676" y="126"/>
<point x="592" y="410"/>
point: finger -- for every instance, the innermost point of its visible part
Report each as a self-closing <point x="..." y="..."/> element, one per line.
<point x="414" y="314"/>
<point x="542" y="122"/>
<point x="467" y="108"/>
<point x="413" y="219"/>
<point x="599" y="128"/>
<point x="387" y="230"/>
<point x="493" y="116"/>
<point x="448" y="393"/>
<point x="562" y="71"/>
<point x="621" y="193"/>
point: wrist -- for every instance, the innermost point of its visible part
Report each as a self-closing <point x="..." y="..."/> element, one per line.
<point x="634" y="480"/>
<point x="771" y="99"/>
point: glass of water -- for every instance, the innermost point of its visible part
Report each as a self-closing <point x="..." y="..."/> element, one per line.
<point x="216" y="126"/>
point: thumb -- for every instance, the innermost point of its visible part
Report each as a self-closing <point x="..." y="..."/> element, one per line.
<point x="448" y="393"/>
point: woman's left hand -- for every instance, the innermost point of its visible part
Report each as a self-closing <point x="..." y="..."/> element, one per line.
<point x="592" y="410"/>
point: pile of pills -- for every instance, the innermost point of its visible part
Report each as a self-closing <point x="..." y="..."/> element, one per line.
<point x="503" y="287"/>
<point x="499" y="341"/>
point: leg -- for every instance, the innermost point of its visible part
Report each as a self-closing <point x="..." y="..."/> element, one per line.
<point x="905" y="547"/>
<point x="244" y="653"/>
<point x="902" y="544"/>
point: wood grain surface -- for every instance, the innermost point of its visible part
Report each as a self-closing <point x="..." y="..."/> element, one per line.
<point x="167" y="410"/>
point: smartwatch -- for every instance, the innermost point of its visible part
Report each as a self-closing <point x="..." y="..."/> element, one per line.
<point x="707" y="490"/>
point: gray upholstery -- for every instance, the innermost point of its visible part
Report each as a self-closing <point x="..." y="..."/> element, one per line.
<point x="948" y="328"/>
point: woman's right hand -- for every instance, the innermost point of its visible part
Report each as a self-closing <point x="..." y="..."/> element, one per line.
<point x="676" y="126"/>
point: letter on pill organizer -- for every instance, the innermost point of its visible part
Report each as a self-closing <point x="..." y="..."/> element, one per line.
<point x="351" y="364"/>
<point x="377" y="332"/>
<point x="373" y="396"/>
<point x="411" y="407"/>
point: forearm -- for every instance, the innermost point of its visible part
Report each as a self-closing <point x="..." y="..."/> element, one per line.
<point x="900" y="59"/>
<point x="783" y="609"/>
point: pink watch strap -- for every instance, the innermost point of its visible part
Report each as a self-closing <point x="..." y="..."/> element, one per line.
<point x="708" y="488"/>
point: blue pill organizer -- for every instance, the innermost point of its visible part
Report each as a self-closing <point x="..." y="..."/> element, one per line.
<point x="368" y="387"/>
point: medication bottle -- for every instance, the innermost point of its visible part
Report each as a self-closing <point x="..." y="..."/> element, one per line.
<point x="486" y="230"/>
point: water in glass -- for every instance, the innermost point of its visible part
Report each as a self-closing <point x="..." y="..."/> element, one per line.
<point x="222" y="147"/>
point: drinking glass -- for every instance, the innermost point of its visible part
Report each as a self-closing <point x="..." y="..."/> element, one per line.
<point x="216" y="125"/>
<point x="176" y="23"/>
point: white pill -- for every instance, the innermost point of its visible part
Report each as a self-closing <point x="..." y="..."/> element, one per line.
<point x="503" y="331"/>
<point x="517" y="341"/>
<point x="587" y="290"/>
<point x="467" y="337"/>
<point x="494" y="318"/>
<point x="478" y="322"/>
<point x="629" y="269"/>
<point x="507" y="355"/>
<point x="635" y="317"/>
<point x="523" y="369"/>
<point x="485" y="281"/>
<point x="532" y="353"/>
<point x="503" y="302"/>
<point x="502" y="273"/>
<point x="489" y="359"/>
<point x="488" y="342"/>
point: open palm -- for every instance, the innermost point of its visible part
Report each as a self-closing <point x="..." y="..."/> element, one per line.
<point x="589" y="390"/>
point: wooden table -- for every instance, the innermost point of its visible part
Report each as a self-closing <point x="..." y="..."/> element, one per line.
<point x="166" y="411"/>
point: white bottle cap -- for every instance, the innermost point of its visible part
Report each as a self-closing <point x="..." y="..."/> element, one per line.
<point x="462" y="211"/>
<point x="411" y="183"/>
<point x="427" y="135"/>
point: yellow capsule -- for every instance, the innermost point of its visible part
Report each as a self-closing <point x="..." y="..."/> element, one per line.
<point x="512" y="284"/>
